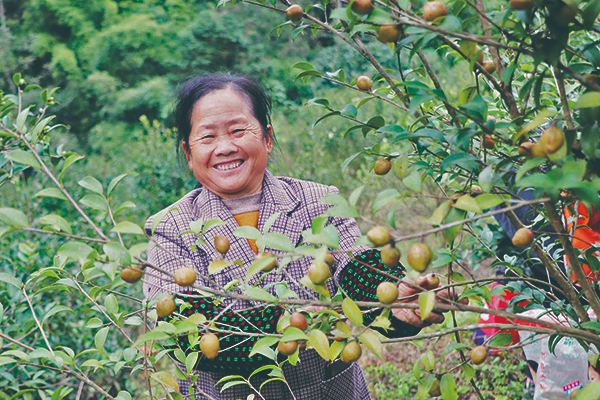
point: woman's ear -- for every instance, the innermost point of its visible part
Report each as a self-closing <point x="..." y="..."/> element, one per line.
<point x="188" y="156"/>
<point x="269" y="139"/>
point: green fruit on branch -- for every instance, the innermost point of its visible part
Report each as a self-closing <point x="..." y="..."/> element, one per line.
<point x="329" y="259"/>
<point x="165" y="306"/>
<point x="351" y="353"/>
<point x="387" y="292"/>
<point x="433" y="10"/>
<point x="209" y="345"/>
<point x="435" y="389"/>
<point x="318" y="273"/>
<point x="478" y="355"/>
<point x="525" y="148"/>
<point x="523" y="237"/>
<point x="388" y="33"/>
<point x="552" y="139"/>
<point x="287" y="348"/>
<point x="298" y="320"/>
<point x="489" y="66"/>
<point x="390" y="255"/>
<point x="185" y="276"/>
<point x="382" y="166"/>
<point x="475" y="190"/>
<point x="379" y="236"/>
<point x="419" y="256"/>
<point x="364" y="83"/>
<point x="131" y="274"/>
<point x="221" y="244"/>
<point x="362" y="7"/>
<point x="294" y="13"/>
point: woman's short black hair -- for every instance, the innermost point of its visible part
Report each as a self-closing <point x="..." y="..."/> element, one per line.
<point x="195" y="88"/>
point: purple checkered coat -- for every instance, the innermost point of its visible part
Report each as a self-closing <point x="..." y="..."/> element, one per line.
<point x="298" y="204"/>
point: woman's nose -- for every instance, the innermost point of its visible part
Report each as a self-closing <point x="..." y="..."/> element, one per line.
<point x="225" y="146"/>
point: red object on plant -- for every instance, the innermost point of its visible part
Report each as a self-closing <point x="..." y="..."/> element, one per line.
<point x="586" y="234"/>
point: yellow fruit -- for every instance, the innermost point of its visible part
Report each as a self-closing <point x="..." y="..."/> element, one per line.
<point x="552" y="139"/>
<point x="271" y="265"/>
<point x="488" y="142"/>
<point x="318" y="273"/>
<point x="185" y="276"/>
<point x="387" y="292"/>
<point x="221" y="244"/>
<point x="298" y="320"/>
<point x="379" y="236"/>
<point x="433" y="10"/>
<point x="489" y="66"/>
<point x="209" y="345"/>
<point x="429" y="282"/>
<point x="382" y="166"/>
<point x="475" y="190"/>
<point x="538" y="151"/>
<point x="294" y="13"/>
<point x="165" y="306"/>
<point x="329" y="260"/>
<point x="364" y="83"/>
<point x="390" y="255"/>
<point x="287" y="348"/>
<point x="351" y="353"/>
<point x="388" y="33"/>
<point x="478" y="355"/>
<point x="523" y="237"/>
<point x="435" y="389"/>
<point x="419" y="256"/>
<point x="525" y="148"/>
<point x="131" y="274"/>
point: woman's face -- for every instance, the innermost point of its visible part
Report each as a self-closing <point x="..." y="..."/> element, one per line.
<point x="227" y="151"/>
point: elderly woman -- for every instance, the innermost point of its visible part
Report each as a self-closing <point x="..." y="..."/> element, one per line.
<point x="225" y="131"/>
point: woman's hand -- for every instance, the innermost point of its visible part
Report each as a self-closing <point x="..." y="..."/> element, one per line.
<point x="409" y="291"/>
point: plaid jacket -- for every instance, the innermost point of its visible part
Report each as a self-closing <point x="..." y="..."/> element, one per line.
<point x="298" y="204"/>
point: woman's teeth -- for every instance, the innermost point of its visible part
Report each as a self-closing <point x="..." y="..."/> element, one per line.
<point x="225" y="167"/>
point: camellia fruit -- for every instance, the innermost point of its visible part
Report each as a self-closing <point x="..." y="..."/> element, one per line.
<point x="489" y="66"/>
<point x="364" y="83"/>
<point x="329" y="259"/>
<point x="209" y="345"/>
<point x="287" y="348"/>
<point x="488" y="142"/>
<point x="185" y="276"/>
<point x="318" y="273"/>
<point x="419" y="256"/>
<point x="433" y="10"/>
<point x="475" y="190"/>
<point x="131" y="274"/>
<point x="271" y="265"/>
<point x="294" y="13"/>
<point x="362" y="7"/>
<point x="165" y="306"/>
<point x="538" y="150"/>
<point x="351" y="353"/>
<point x="521" y="5"/>
<point x="387" y="292"/>
<point x="435" y="389"/>
<point x="552" y="139"/>
<point x="379" y="236"/>
<point x="382" y="166"/>
<point x="221" y="244"/>
<point x="429" y="282"/>
<point x="388" y="33"/>
<point x="523" y="237"/>
<point x="298" y="320"/>
<point x="478" y="355"/>
<point x="525" y="148"/>
<point x="390" y="255"/>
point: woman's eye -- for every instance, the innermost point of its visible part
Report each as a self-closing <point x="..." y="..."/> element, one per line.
<point x="206" y="138"/>
<point x="238" y="131"/>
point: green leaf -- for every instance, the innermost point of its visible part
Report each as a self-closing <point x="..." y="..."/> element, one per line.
<point x="94" y="201"/>
<point x="371" y="340"/>
<point x="24" y="157"/>
<point x="304" y="66"/>
<point x="116" y="252"/>
<point x="489" y="200"/>
<point x="166" y="379"/>
<point x="14" y="217"/>
<point x="321" y="289"/>
<point x="100" y="338"/>
<point x="318" y="340"/>
<point x="257" y="266"/>
<point x="128" y="227"/>
<point x="211" y="223"/>
<point x="589" y="392"/>
<point x="348" y="160"/>
<point x="426" y="303"/>
<point x="111" y="304"/>
<point x="56" y="223"/>
<point x="448" y="387"/>
<point x="190" y="362"/>
<point x="468" y="371"/>
<point x="278" y="241"/>
<point x="11" y="280"/>
<point x="352" y="311"/>
<point x="113" y="183"/>
<point x="588" y="100"/>
<point x="385" y="197"/>
<point x="72" y="159"/>
<point x="501" y="339"/>
<point x="463" y="160"/>
<point x="75" y="250"/>
<point x="263" y="343"/>
<point x="51" y="192"/>
<point x="467" y="203"/>
<point x="6" y="360"/>
<point x="218" y="265"/>
<point x="293" y="333"/>
<point x="159" y="217"/>
<point x="91" y="183"/>
<point x="335" y="349"/>
<point x="413" y="181"/>
<point x="260" y="294"/>
<point x="248" y="232"/>
<point x="439" y="214"/>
